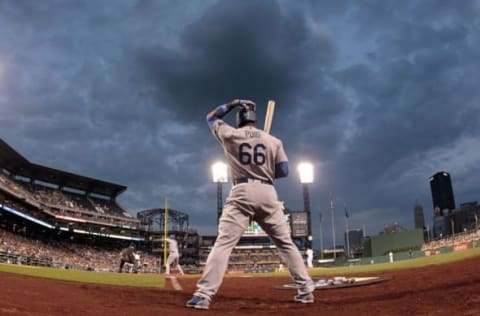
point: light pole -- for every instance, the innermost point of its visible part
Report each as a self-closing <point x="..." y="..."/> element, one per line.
<point x="305" y="170"/>
<point x="332" y="210"/>
<point x="347" y="234"/>
<point x="219" y="176"/>
<point x="321" y="236"/>
<point x="476" y="221"/>
<point x="428" y="233"/>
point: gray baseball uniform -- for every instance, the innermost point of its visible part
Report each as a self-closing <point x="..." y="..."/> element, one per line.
<point x="253" y="157"/>
<point x="173" y="256"/>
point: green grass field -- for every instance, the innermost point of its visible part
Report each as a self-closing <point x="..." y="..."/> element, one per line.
<point x="404" y="264"/>
<point x="158" y="280"/>
<point x="110" y="278"/>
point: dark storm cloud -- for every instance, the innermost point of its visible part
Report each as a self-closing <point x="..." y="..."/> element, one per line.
<point x="238" y="50"/>
<point x="414" y="95"/>
<point x="74" y="97"/>
<point x="419" y="98"/>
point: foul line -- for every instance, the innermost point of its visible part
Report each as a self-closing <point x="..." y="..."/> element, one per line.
<point x="176" y="285"/>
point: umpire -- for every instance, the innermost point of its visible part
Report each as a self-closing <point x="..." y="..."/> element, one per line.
<point x="127" y="255"/>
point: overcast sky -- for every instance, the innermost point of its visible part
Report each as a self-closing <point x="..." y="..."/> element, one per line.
<point x="379" y="95"/>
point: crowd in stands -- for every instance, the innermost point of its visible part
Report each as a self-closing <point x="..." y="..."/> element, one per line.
<point x="57" y="199"/>
<point x="249" y="258"/>
<point x="66" y="254"/>
<point x="14" y="187"/>
<point x="60" y="202"/>
<point x="69" y="211"/>
<point x="451" y="240"/>
<point x="107" y="207"/>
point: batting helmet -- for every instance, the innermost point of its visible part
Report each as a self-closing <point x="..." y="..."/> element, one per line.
<point x="246" y="114"/>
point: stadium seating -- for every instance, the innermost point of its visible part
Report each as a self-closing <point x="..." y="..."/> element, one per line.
<point x="17" y="248"/>
<point x="250" y="258"/>
<point x="467" y="236"/>
<point x="59" y="202"/>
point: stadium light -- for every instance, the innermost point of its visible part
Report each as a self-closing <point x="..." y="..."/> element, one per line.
<point x="305" y="171"/>
<point x="219" y="172"/>
<point x="219" y="176"/>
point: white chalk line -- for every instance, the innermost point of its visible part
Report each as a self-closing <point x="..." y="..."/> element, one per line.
<point x="176" y="285"/>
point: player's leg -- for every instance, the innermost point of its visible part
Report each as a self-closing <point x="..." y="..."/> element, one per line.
<point x="128" y="267"/>
<point x="170" y="260"/>
<point x="310" y="261"/>
<point x="281" y="237"/>
<point x="232" y="225"/>
<point x="272" y="221"/>
<point x="179" y="267"/>
<point x="122" y="262"/>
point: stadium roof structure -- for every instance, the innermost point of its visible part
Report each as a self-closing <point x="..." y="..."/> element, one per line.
<point x="155" y="219"/>
<point x="18" y="165"/>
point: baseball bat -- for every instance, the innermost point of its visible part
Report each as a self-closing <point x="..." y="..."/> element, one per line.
<point x="269" y="116"/>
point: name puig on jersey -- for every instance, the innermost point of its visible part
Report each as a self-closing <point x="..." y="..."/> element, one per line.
<point x="252" y="134"/>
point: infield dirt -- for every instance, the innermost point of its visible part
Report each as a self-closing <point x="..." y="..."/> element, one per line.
<point x="449" y="289"/>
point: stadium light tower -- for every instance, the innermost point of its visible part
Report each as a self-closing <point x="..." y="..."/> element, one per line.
<point x="219" y="176"/>
<point x="305" y="170"/>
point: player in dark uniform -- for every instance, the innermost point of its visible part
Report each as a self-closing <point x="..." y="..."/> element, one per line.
<point x="127" y="255"/>
<point x="255" y="159"/>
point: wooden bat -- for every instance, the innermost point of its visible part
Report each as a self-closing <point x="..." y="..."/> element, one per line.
<point x="269" y="116"/>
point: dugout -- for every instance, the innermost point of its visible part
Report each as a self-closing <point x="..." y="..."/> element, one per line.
<point x="403" y="241"/>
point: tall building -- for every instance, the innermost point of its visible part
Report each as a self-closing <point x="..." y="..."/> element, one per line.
<point x="460" y="220"/>
<point x="465" y="218"/>
<point x="442" y="193"/>
<point x="418" y="216"/>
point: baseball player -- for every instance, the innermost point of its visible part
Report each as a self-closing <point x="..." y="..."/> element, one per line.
<point x="309" y="253"/>
<point x="173" y="255"/>
<point x="255" y="159"/>
<point x="127" y="255"/>
<point x="281" y="265"/>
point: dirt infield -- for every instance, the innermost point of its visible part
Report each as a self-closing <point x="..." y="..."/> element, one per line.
<point x="451" y="289"/>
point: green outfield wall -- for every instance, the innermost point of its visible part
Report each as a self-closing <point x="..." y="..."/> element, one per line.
<point x="405" y="255"/>
<point x="396" y="242"/>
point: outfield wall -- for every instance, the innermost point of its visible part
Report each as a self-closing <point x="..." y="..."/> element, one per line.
<point x="396" y="242"/>
<point x="405" y="255"/>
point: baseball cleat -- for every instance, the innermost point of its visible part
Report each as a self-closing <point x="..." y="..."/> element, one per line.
<point x="198" y="302"/>
<point x="304" y="298"/>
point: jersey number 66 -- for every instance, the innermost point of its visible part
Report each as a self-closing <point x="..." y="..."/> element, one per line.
<point x="247" y="155"/>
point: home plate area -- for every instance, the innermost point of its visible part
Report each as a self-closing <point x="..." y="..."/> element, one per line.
<point x="336" y="282"/>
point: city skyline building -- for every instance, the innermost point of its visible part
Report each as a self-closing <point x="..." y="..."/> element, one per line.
<point x="442" y="193"/>
<point x="418" y="216"/>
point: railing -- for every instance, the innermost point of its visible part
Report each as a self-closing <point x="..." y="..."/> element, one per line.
<point x="13" y="258"/>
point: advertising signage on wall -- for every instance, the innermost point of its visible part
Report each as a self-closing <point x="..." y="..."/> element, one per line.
<point x="299" y="224"/>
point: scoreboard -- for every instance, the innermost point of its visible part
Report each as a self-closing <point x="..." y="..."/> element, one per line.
<point x="299" y="224"/>
<point x="254" y="228"/>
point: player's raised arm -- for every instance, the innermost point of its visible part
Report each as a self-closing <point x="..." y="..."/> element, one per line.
<point x="221" y="110"/>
